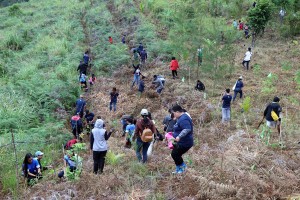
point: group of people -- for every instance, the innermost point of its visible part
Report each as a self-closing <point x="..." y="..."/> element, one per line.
<point x="242" y="27"/>
<point x="82" y="69"/>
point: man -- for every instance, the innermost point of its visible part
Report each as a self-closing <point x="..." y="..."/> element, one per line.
<point x="159" y="83"/>
<point x="226" y="101"/>
<point x="38" y="157"/>
<point x="113" y="99"/>
<point x="272" y="122"/>
<point x="140" y="48"/>
<point x="86" y="58"/>
<point x="144" y="56"/>
<point x="76" y="125"/>
<point x="281" y="15"/>
<point x="80" y="106"/>
<point x="82" y="67"/>
<point x="200" y="86"/>
<point x="141" y="86"/>
<point x="247" y="58"/>
<point x="237" y="88"/>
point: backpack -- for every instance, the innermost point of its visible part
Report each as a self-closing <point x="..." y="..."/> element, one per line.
<point x="75" y="121"/>
<point x="147" y="135"/>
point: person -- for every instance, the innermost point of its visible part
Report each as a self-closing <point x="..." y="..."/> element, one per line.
<point x="124" y="123"/>
<point x="135" y="59"/>
<point x="113" y="99"/>
<point x="141" y="86"/>
<point x="76" y="125"/>
<point x="124" y="39"/>
<point x="159" y="83"/>
<point x="89" y="117"/>
<point x="144" y="56"/>
<point x="237" y="88"/>
<point x="140" y="48"/>
<point x="183" y="134"/>
<point x="38" y="156"/>
<point x="281" y="15"/>
<point x="86" y="58"/>
<point x="82" y="67"/>
<point x="169" y="123"/>
<point x="200" y="56"/>
<point x="98" y="145"/>
<point x="200" y="86"/>
<point x="130" y="127"/>
<point x="82" y="80"/>
<point x="247" y="58"/>
<point x="254" y="4"/>
<point x="92" y="80"/>
<point x="234" y="24"/>
<point x="136" y="76"/>
<point x="69" y="161"/>
<point x="241" y="25"/>
<point x="174" y="66"/>
<point x="274" y="106"/>
<point x="166" y="120"/>
<point x="31" y="168"/>
<point x="70" y="143"/>
<point x="226" y="99"/>
<point x="80" y="106"/>
<point x="246" y="31"/>
<point x="110" y="40"/>
<point x="141" y="125"/>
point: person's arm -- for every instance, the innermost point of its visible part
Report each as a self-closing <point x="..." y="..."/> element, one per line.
<point x="91" y="141"/>
<point x="187" y="128"/>
<point x="107" y="135"/>
<point x="266" y="111"/>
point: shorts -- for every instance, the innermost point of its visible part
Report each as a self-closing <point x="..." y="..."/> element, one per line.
<point x="272" y="124"/>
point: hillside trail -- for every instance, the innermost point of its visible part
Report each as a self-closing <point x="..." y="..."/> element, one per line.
<point x="217" y="169"/>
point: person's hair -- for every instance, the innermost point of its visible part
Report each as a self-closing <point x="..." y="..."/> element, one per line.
<point x="173" y="58"/>
<point x="114" y="89"/>
<point x="87" y="51"/>
<point x="198" y="81"/>
<point x="170" y="110"/>
<point x="98" y="117"/>
<point x="276" y="99"/>
<point x="155" y="76"/>
<point x="249" y="49"/>
<point x="109" y="36"/>
<point x="87" y="111"/>
<point x="134" y="51"/>
<point x="129" y="120"/>
<point x="172" y="115"/>
<point x="227" y="90"/>
<point x="184" y="110"/>
<point x="93" y="75"/>
<point x="177" y="108"/>
<point x="25" y="162"/>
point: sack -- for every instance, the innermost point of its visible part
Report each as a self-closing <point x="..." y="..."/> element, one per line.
<point x="233" y="88"/>
<point x="147" y="135"/>
<point x="274" y="115"/>
<point x="150" y="149"/>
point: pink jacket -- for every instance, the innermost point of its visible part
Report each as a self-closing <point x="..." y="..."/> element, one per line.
<point x="174" y="65"/>
<point x="170" y="138"/>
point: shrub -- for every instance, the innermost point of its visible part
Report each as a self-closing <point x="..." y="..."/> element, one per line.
<point x="14" y="42"/>
<point x="14" y="10"/>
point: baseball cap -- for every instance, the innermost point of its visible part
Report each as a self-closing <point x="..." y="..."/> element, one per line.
<point x="39" y="153"/>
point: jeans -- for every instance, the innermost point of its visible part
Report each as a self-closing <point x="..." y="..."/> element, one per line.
<point x="113" y="105"/>
<point x="136" y="79"/>
<point x="236" y="92"/>
<point x="141" y="146"/>
<point x="99" y="159"/>
<point x="225" y="114"/>
<point x="174" y="73"/>
<point x="177" y="153"/>
<point x="247" y="64"/>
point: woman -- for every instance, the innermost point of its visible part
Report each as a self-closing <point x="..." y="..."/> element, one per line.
<point x="31" y="167"/>
<point x="68" y="162"/>
<point x="173" y="67"/>
<point x="99" y="146"/>
<point x="183" y="134"/>
<point x="142" y="125"/>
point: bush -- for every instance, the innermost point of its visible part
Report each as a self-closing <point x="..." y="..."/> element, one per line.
<point x="14" y="10"/>
<point x="14" y="42"/>
<point x="294" y="23"/>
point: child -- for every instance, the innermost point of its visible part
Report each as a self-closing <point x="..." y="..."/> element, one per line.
<point x="92" y="80"/>
<point x="113" y="99"/>
<point x="82" y="80"/>
<point x="130" y="132"/>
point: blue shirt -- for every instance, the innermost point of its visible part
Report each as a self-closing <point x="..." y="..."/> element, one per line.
<point x="86" y="58"/>
<point x="226" y="101"/>
<point x="184" y="122"/>
<point x="141" y="86"/>
<point x="70" y="162"/>
<point x="239" y="85"/>
<point x="33" y="167"/>
<point x="80" y="103"/>
<point x="89" y="117"/>
<point x="130" y="129"/>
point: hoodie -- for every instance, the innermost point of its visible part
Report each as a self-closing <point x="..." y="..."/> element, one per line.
<point x="99" y="137"/>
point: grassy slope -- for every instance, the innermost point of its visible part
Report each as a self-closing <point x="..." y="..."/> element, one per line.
<point x="217" y="169"/>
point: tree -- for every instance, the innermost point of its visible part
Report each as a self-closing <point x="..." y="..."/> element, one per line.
<point x="258" y="17"/>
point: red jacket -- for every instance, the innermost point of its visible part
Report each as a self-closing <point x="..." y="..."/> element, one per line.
<point x="70" y="143"/>
<point x="174" y="65"/>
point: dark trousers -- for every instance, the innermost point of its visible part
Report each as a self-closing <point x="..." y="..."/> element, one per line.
<point x="236" y="92"/>
<point x="141" y="146"/>
<point x="247" y="64"/>
<point x="99" y="159"/>
<point x="177" y="153"/>
<point x="174" y="73"/>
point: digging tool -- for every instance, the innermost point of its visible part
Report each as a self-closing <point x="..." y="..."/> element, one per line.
<point x="260" y="122"/>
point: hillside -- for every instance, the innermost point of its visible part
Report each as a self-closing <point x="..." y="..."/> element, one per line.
<point x="225" y="163"/>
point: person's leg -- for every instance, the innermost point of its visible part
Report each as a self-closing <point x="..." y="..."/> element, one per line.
<point x="234" y="96"/>
<point x="223" y="115"/>
<point x="145" y="149"/>
<point x="137" y="80"/>
<point x="243" y="63"/>
<point x="241" y="94"/>
<point x="173" y="73"/>
<point x="115" y="106"/>
<point x="177" y="153"/>
<point x="96" y="158"/>
<point x="247" y="64"/>
<point x="228" y="114"/>
<point x="102" y="161"/>
<point x="139" y="145"/>
<point x="110" y="106"/>
<point x="176" y="73"/>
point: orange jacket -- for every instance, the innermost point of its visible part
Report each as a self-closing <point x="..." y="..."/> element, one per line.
<point x="174" y="65"/>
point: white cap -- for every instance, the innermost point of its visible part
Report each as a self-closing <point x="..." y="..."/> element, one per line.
<point x="241" y="77"/>
<point x="144" y="111"/>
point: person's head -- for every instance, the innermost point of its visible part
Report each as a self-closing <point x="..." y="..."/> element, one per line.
<point x="39" y="155"/>
<point x="109" y="37"/>
<point x="81" y="62"/>
<point x="93" y="75"/>
<point x="155" y="77"/>
<point x="81" y="96"/>
<point x="99" y="123"/>
<point x="177" y="110"/>
<point x="173" y="58"/>
<point x="87" y="111"/>
<point x="114" y="89"/>
<point x="239" y="21"/>
<point x="87" y="52"/>
<point x="170" y="110"/>
<point x="129" y="121"/>
<point x="145" y="115"/>
<point x="198" y="81"/>
<point x="227" y="90"/>
<point x="28" y="158"/>
<point x="276" y="99"/>
<point x="98" y="117"/>
<point x="249" y="49"/>
<point x="240" y="78"/>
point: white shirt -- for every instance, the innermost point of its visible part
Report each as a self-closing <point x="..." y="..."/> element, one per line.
<point x="281" y="12"/>
<point x="137" y="72"/>
<point x="248" y="55"/>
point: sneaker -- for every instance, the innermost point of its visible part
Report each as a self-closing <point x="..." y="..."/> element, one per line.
<point x="183" y="166"/>
<point x="178" y="170"/>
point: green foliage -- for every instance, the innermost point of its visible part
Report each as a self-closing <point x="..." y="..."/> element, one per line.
<point x="114" y="159"/>
<point x="259" y="16"/>
<point x="294" y="23"/>
<point x="246" y="105"/>
<point x="14" y="10"/>
<point x="256" y="69"/>
<point x="297" y="78"/>
<point x="15" y="42"/>
<point x="138" y="168"/>
<point x="269" y="84"/>
<point x="286" y="66"/>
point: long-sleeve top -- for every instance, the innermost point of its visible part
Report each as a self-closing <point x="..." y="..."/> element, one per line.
<point x="99" y="137"/>
<point x="141" y="125"/>
<point x="275" y="107"/>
